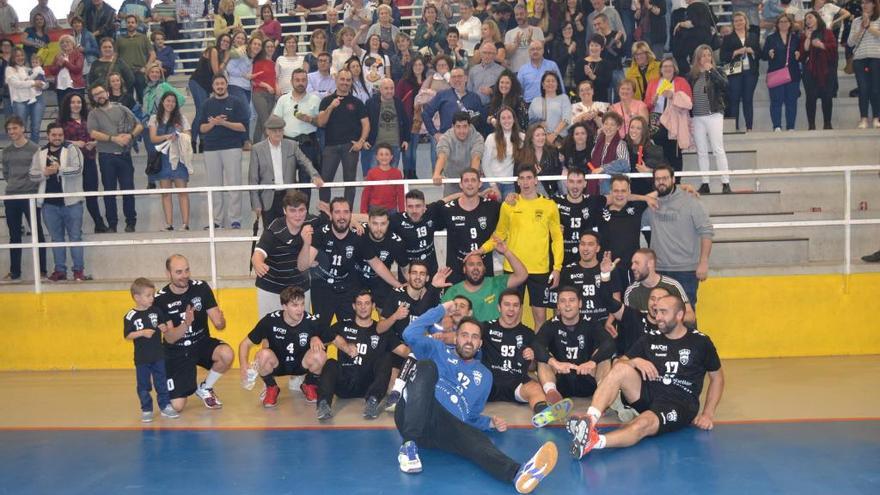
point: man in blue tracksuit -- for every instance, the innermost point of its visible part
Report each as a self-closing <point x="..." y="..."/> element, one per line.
<point x="443" y="402"/>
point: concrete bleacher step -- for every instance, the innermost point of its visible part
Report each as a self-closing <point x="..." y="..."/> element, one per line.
<point x="741" y="202"/>
<point x="736" y="160"/>
<point x="760" y="251"/>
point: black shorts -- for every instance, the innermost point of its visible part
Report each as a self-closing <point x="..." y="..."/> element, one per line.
<point x="674" y="413"/>
<point x="504" y="387"/>
<point x="574" y="385"/>
<point x="539" y="290"/>
<point x="289" y="369"/>
<point x="180" y="367"/>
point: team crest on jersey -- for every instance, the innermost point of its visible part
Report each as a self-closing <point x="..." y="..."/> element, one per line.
<point x="349" y="251"/>
<point x="671" y="416"/>
<point x="684" y="356"/>
<point x="519" y="341"/>
<point x="478" y="377"/>
<point x="598" y="280"/>
<point x="383" y="255"/>
<point x="197" y="303"/>
<point x="154" y="319"/>
<point x="374" y="341"/>
<point x="303" y="339"/>
<point x="483" y="222"/>
<point x="539" y="214"/>
<point x="581" y="342"/>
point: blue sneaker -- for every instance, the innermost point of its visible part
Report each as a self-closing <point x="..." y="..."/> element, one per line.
<point x="236" y="225"/>
<point x="408" y="457"/>
<point x="536" y="469"/>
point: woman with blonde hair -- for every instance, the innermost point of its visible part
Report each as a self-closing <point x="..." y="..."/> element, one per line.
<point x="225" y="20"/>
<point x="643" y="69"/>
<point x="489" y="33"/>
<point x="709" y="87"/>
<point x="68" y="69"/>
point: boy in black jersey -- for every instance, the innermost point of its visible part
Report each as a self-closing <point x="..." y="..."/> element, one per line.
<point x="470" y="220"/>
<point x="583" y="275"/>
<point x="662" y="378"/>
<point x="188" y="343"/>
<point x="363" y="364"/>
<point x="572" y="353"/>
<point x="507" y="352"/>
<point x="294" y="346"/>
<point x="144" y="325"/>
<point x="388" y="247"/>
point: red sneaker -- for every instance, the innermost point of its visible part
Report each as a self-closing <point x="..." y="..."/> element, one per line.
<point x="80" y="276"/>
<point x="271" y="397"/>
<point x="553" y="396"/>
<point x="310" y="391"/>
<point x="585" y="436"/>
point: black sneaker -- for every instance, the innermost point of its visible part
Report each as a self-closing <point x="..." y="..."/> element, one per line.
<point x="872" y="258"/>
<point x="100" y="227"/>
<point x="704" y="189"/>
<point x="111" y="229"/>
<point x="129" y="227"/>
<point x="371" y="408"/>
<point x="324" y="411"/>
<point x="725" y="189"/>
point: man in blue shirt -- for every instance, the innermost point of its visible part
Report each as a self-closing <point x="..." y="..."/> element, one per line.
<point x="447" y="103"/>
<point x="530" y="74"/>
<point x="443" y="403"/>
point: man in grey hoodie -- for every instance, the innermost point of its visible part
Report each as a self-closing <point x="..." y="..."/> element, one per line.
<point x="681" y="233"/>
<point x="460" y="148"/>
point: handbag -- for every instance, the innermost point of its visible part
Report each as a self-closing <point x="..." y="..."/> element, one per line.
<point x="733" y="68"/>
<point x="154" y="163"/>
<point x="778" y="77"/>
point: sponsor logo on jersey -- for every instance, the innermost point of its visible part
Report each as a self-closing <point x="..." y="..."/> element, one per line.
<point x="458" y="218"/>
<point x="303" y="339"/>
<point x="348" y="329"/>
<point x="478" y="377"/>
<point x="671" y="416"/>
<point x="539" y="214"/>
<point x="495" y="333"/>
<point x="658" y="347"/>
<point x="197" y="303"/>
<point x="174" y="304"/>
<point x="374" y="341"/>
<point x="483" y="221"/>
<point x="684" y="356"/>
<point x="279" y="330"/>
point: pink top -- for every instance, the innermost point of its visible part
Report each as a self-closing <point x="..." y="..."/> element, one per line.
<point x="272" y="29"/>
<point x="636" y="107"/>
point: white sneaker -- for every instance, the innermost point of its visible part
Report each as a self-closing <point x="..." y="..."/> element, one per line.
<point x="876" y="123"/>
<point x="170" y="412"/>
<point x="295" y="381"/>
<point x="777" y="129"/>
<point x="408" y="458"/>
<point x="146" y="416"/>
<point x="863" y="124"/>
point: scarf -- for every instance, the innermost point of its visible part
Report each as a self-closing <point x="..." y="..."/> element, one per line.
<point x="602" y="155"/>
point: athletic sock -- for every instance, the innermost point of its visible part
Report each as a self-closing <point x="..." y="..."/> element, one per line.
<point x="398" y="385"/>
<point x="540" y="406"/>
<point x="212" y="378"/>
<point x="269" y="380"/>
<point x="549" y="386"/>
<point x="601" y="443"/>
<point x="595" y="413"/>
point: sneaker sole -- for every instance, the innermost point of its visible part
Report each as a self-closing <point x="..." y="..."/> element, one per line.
<point x="544" y="461"/>
<point x="269" y="406"/>
<point x="556" y="412"/>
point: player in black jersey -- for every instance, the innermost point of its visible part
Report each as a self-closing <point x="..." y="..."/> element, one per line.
<point x="583" y="275"/>
<point x="417" y="226"/>
<point x="620" y="224"/>
<point x="190" y="304"/>
<point x="388" y="247"/>
<point x="662" y="377"/>
<point x="293" y="345"/>
<point x="408" y="302"/>
<point x="572" y="353"/>
<point x="331" y="250"/>
<point x="508" y="353"/>
<point x="470" y="220"/>
<point x="363" y="364"/>
<point x="577" y="213"/>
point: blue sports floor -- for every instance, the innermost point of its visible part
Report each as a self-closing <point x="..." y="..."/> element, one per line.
<point x="778" y="458"/>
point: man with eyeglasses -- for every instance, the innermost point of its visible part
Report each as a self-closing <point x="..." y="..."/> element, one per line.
<point x="299" y="110"/>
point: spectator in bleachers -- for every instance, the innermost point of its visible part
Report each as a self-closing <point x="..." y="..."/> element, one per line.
<point x="189" y="15"/>
<point x="782" y="50"/>
<point x="239" y="70"/>
<point x="43" y="9"/>
<point x="137" y="8"/>
<point x="751" y="9"/>
<point x="452" y="48"/>
<point x="311" y="10"/>
<point x="576" y="149"/>
<point x="395" y="11"/>
<point x="36" y="36"/>
<point x="135" y="49"/>
<point x="225" y="19"/>
<point x="239" y="44"/>
<point x="587" y="110"/>
<point x="518" y="40"/>
<point x="299" y="110"/>
<point x="168" y="125"/>
<point x="430" y="33"/>
<point x="288" y="62"/>
<point x="643" y="68"/>
<point x="347" y="48"/>
<point x="108" y="62"/>
<point x="406" y="90"/>
<point x="696" y="29"/>
<point x="8" y="18"/>
<point x="331" y="32"/>
<point x="482" y="9"/>
<point x="552" y="109"/>
<point x="317" y="45"/>
<point x="669" y="102"/>
<point x="864" y="38"/>
<point x="246" y="8"/>
<point x="115" y="128"/>
<point x="709" y="86"/>
<point x="17" y="158"/>
<point x="531" y="74"/>
<point x="596" y="68"/>
<point x="741" y="48"/>
<point x="223" y="127"/>
<point x="611" y="14"/>
<point x="565" y="51"/>
<point x="263" y="86"/>
<point x="540" y="18"/>
<point x="403" y="55"/>
<point x="156" y="87"/>
<point x="165" y="13"/>
<point x="626" y="10"/>
<point x="165" y="55"/>
<point x="358" y="15"/>
<point x="26" y="92"/>
<point x="612" y="51"/>
<point x="501" y="148"/>
<point x="385" y="29"/>
<point x="269" y="26"/>
<point x="67" y="68"/>
<point x="321" y="82"/>
<point x="211" y="63"/>
<point x="389" y="124"/>
<point x="507" y="92"/>
<point x="571" y="11"/>
<point x="359" y="86"/>
<point x="119" y="93"/>
<point x="482" y="77"/>
<point x="374" y="49"/>
<point x="458" y="149"/>
<point x="537" y="152"/>
<point x="469" y="27"/>
<point x="610" y="154"/>
<point x="819" y="49"/>
<point x="490" y="34"/>
<point x="57" y="168"/>
<point x="628" y="106"/>
<point x="644" y="155"/>
<point x="448" y="102"/>
<point x="650" y="17"/>
<point x="73" y="113"/>
<point x="85" y="43"/>
<point x="100" y="19"/>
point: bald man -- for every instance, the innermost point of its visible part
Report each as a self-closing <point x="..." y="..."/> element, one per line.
<point x="389" y="124"/>
<point x="531" y="73"/>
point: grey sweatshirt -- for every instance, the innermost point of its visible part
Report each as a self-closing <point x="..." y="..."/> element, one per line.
<point x="16" y="165"/>
<point x="677" y="227"/>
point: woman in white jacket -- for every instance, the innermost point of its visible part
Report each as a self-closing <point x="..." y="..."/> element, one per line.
<point x="26" y="92"/>
<point x="501" y="146"/>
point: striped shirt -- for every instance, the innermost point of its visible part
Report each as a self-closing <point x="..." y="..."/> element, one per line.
<point x="868" y="43"/>
<point x="702" y="107"/>
<point x="637" y="294"/>
<point x="281" y="249"/>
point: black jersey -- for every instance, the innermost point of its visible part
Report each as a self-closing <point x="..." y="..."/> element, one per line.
<point x="370" y="345"/>
<point x="681" y="363"/>
<point x="577" y="218"/>
<point x="338" y="258"/>
<point x="417" y="308"/>
<point x="146" y="350"/>
<point x="588" y="281"/>
<point x="418" y="237"/>
<point x="502" y="350"/>
<point x="281" y="249"/>
<point x="198" y="295"/>
<point x="577" y="344"/>
<point x="466" y="231"/>
<point x="632" y="327"/>
<point x="621" y="230"/>
<point x="389" y="250"/>
<point x="289" y="343"/>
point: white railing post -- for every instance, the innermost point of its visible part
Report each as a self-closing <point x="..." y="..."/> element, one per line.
<point x="212" y="247"/>
<point x="35" y="248"/>
<point x="847" y="218"/>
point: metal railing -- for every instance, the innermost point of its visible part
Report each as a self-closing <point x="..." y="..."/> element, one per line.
<point x="212" y="240"/>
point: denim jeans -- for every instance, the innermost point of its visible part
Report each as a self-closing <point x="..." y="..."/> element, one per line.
<point x="156" y="371"/>
<point x="117" y="173"/>
<point x="411" y="154"/>
<point x="199" y="97"/>
<point x="33" y="112"/>
<point x="368" y="159"/>
<point x="65" y="225"/>
<point x="741" y="89"/>
<point x="786" y="94"/>
<point x="867" y="72"/>
<point x="16" y="209"/>
<point x="689" y="283"/>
